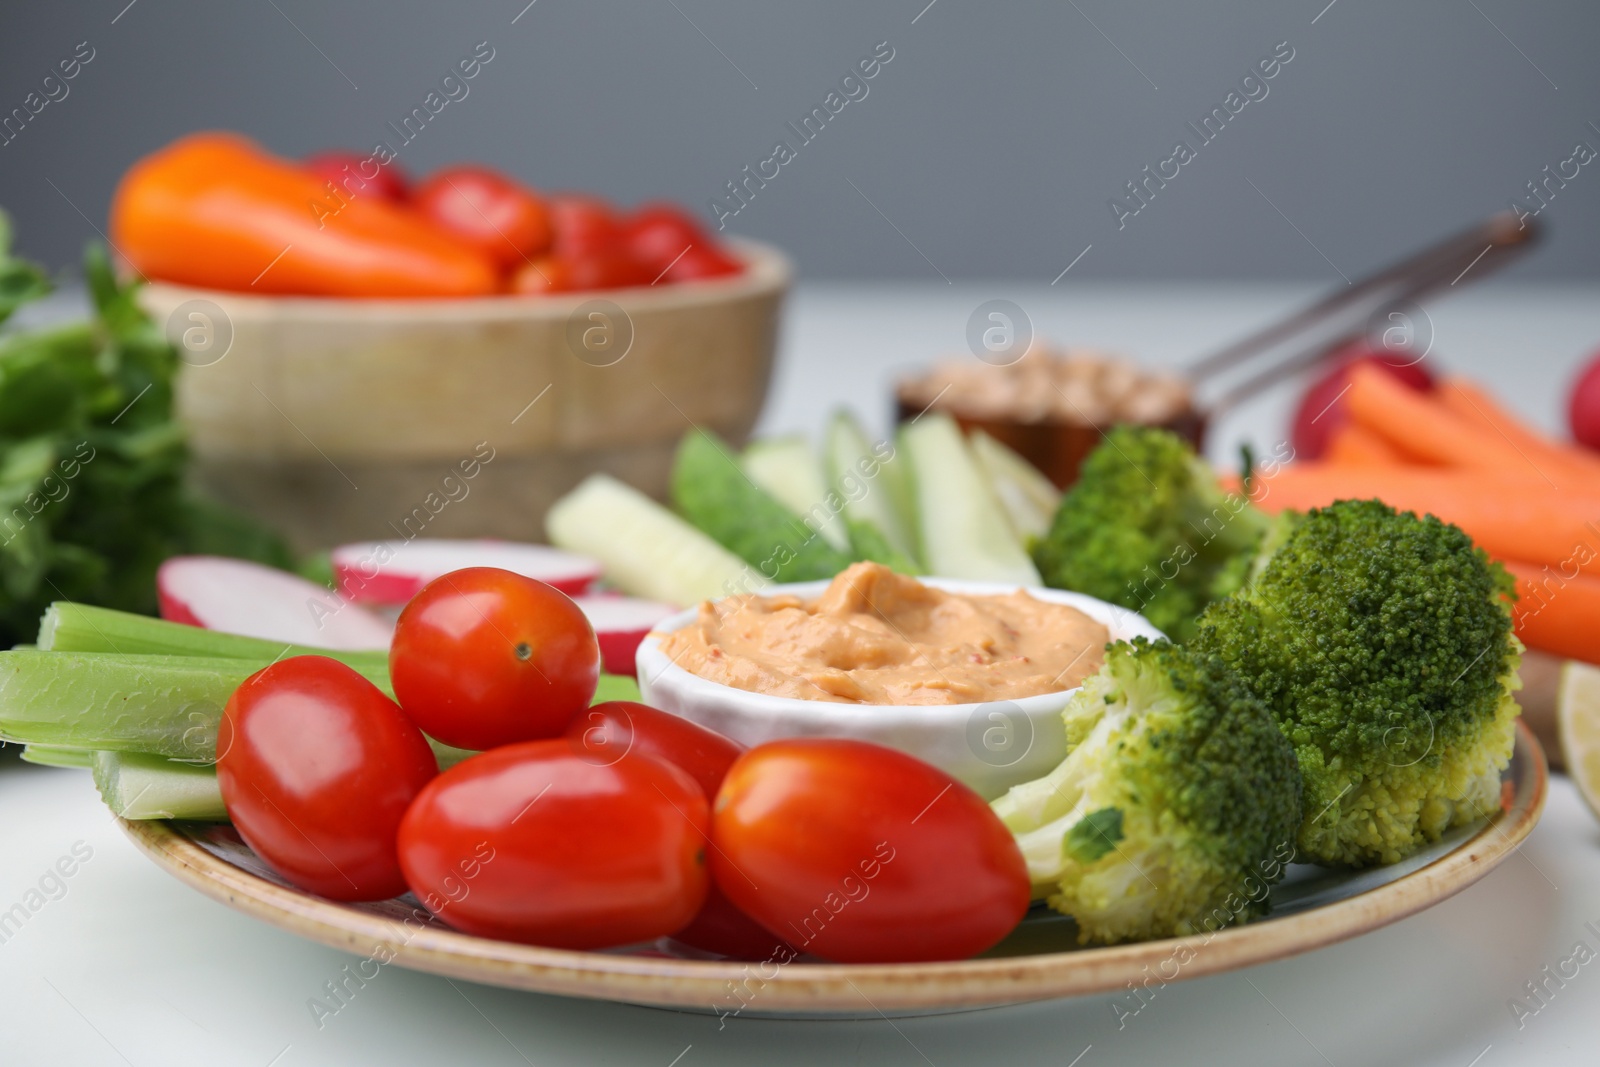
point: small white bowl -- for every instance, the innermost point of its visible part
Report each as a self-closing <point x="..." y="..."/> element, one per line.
<point x="990" y="746"/>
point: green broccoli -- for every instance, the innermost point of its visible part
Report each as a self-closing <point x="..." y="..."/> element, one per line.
<point x="1148" y="526"/>
<point x="1175" y="809"/>
<point x="1382" y="642"/>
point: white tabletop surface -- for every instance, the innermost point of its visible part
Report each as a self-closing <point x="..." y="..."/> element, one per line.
<point x="119" y="964"/>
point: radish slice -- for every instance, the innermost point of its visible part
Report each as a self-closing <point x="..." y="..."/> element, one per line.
<point x="392" y="572"/>
<point x="239" y="597"/>
<point x="621" y="623"/>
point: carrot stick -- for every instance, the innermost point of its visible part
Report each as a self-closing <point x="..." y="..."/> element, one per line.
<point x="1475" y="405"/>
<point x="1354" y="444"/>
<point x="1505" y="512"/>
<point x="1557" y="610"/>
<point x="1420" y="426"/>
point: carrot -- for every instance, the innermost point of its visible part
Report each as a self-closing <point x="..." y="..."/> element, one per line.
<point x="1419" y="425"/>
<point x="1557" y="610"/>
<point x="1356" y="445"/>
<point x="1562" y="462"/>
<point x="1504" y="511"/>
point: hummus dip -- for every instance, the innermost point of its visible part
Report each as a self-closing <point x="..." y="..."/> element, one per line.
<point x="877" y="637"/>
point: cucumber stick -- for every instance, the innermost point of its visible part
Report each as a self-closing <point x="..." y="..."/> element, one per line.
<point x="712" y="491"/>
<point x="787" y="468"/>
<point x="875" y="484"/>
<point x="138" y="786"/>
<point x="646" y="550"/>
<point x="964" y="529"/>
<point x="1029" y="498"/>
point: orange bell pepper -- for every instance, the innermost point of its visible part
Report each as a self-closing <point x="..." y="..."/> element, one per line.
<point x="215" y="210"/>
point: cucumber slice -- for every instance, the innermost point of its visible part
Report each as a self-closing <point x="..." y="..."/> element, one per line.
<point x="646" y="550"/>
<point x="965" y="533"/>
<point x="787" y="468"/>
<point x="875" y="484"/>
<point x="713" y="492"/>
<point x="135" y="785"/>
<point x="1029" y="498"/>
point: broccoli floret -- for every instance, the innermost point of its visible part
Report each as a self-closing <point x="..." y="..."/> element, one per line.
<point x="1148" y="526"/>
<point x="1382" y="643"/>
<point x="1175" y="809"/>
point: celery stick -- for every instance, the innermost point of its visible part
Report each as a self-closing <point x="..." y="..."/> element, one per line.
<point x="57" y="756"/>
<point x="166" y="705"/>
<point x="135" y="785"/>
<point x="70" y="627"/>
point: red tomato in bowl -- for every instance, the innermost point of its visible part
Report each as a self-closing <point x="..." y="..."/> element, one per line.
<point x="657" y="234"/>
<point x="497" y="216"/>
<point x="534" y="843"/>
<point x="701" y="261"/>
<point x="317" y="768"/>
<point x="354" y="173"/>
<point x="619" y="730"/>
<point x="485" y="657"/>
<point x="863" y="854"/>
<point x="582" y="224"/>
<point x="547" y="274"/>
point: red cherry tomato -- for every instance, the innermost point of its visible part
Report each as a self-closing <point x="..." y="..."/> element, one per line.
<point x="500" y="218"/>
<point x="1321" y="409"/>
<point x="532" y="842"/>
<point x="619" y="730"/>
<point x="355" y="174"/>
<point x="583" y="224"/>
<point x="701" y="261"/>
<point x="1583" y="410"/>
<point x="657" y="234"/>
<point x="484" y="657"/>
<point x="547" y="274"/>
<point x="610" y="268"/>
<point x="862" y="854"/>
<point x="316" y="768"/>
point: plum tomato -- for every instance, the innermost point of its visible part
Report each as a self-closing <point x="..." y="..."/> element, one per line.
<point x="583" y="224"/>
<point x="659" y="233"/>
<point x="355" y="174"/>
<point x="484" y="657"/>
<point x="317" y="768"/>
<point x="496" y="215"/>
<point x="701" y="261"/>
<point x="619" y="729"/>
<point x="534" y="843"/>
<point x="1320" y="411"/>
<point x="623" y="729"/>
<point x="547" y="274"/>
<point x="1583" y="407"/>
<point x="863" y="854"/>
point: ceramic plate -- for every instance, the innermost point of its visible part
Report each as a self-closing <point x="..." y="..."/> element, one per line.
<point x="1041" y="960"/>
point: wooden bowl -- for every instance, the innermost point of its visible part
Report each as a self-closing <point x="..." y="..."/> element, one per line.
<point x="339" y="420"/>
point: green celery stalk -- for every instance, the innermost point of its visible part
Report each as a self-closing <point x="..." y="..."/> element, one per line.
<point x="139" y="786"/>
<point x="57" y="756"/>
<point x="70" y="627"/>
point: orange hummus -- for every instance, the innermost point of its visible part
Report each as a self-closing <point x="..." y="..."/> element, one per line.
<point x="877" y="637"/>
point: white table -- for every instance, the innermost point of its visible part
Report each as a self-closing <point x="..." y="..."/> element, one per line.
<point x="126" y="966"/>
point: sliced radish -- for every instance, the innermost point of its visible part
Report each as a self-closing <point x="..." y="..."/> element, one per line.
<point x="620" y="623"/>
<point x="392" y="572"/>
<point x="240" y="597"/>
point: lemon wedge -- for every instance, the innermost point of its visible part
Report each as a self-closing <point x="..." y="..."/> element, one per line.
<point x="1578" y="719"/>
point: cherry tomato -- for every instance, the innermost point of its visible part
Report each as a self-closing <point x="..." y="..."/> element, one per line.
<point x="547" y="274"/>
<point x="1583" y="406"/>
<point x="316" y="768"/>
<point x="583" y="224"/>
<point x="611" y="268"/>
<point x="863" y="854"/>
<point x="657" y="234"/>
<point x="618" y="730"/>
<point x="500" y="218"/>
<point x="701" y="261"/>
<point x="484" y="657"/>
<point x="354" y="173"/>
<point x="532" y="842"/>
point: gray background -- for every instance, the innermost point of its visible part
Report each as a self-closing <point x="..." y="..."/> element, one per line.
<point x="991" y="143"/>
